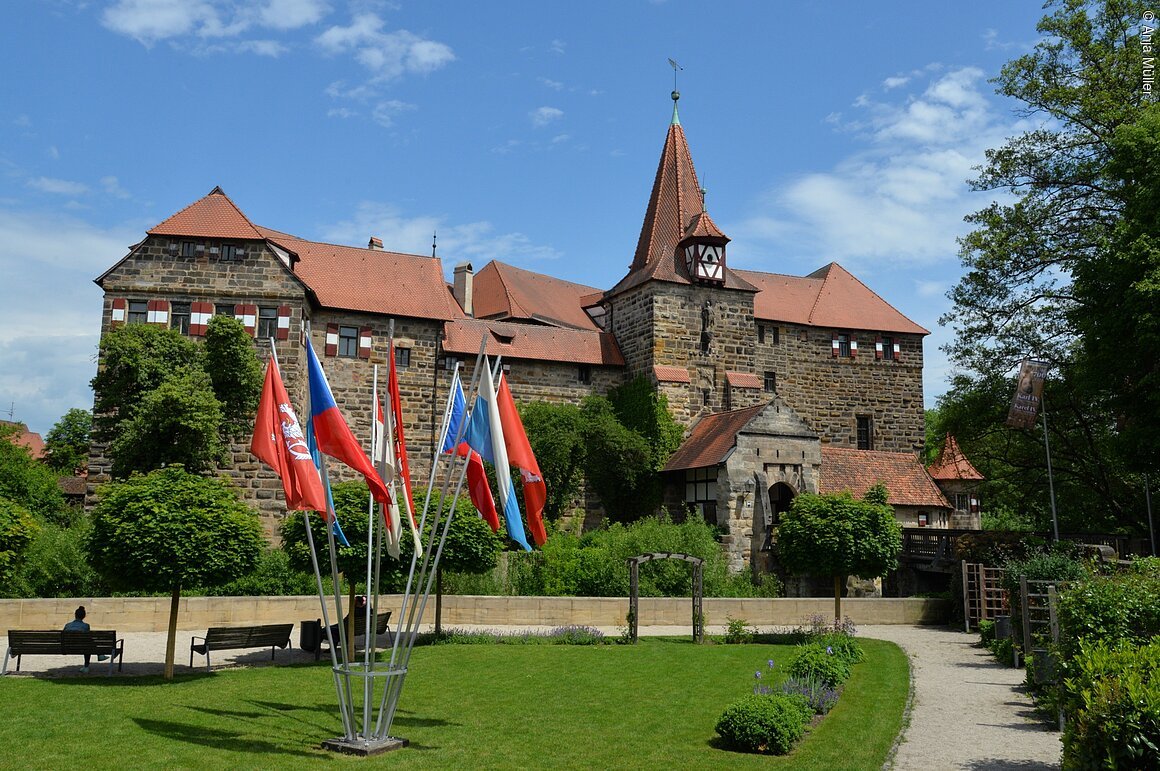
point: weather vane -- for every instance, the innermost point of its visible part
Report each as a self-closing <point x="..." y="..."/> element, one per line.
<point x="675" y="67"/>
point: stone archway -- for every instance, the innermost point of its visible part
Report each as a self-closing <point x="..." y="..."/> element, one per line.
<point x="780" y="496"/>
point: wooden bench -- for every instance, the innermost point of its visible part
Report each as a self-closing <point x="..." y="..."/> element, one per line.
<point x="220" y="638"/>
<point x="313" y="635"/>
<point x="24" y="642"/>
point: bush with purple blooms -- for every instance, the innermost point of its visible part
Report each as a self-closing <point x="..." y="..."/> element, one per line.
<point x="819" y="662"/>
<point x="821" y="697"/>
<point x="561" y="635"/>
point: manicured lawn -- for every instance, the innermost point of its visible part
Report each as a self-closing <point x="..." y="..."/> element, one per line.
<point x="465" y="706"/>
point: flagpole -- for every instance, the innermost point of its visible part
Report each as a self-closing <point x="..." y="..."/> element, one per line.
<point x="1050" y="477"/>
<point x="371" y="530"/>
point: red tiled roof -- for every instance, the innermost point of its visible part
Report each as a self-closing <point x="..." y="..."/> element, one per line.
<point x="675" y="210"/>
<point x="952" y="464"/>
<point x="828" y="297"/>
<point x="532" y="341"/>
<point x="711" y="439"/>
<point x="856" y="471"/>
<point x="214" y="216"/>
<point x="743" y="380"/>
<point x="26" y="438"/>
<point x="666" y="374"/>
<point x="504" y="291"/>
<point x="371" y="280"/>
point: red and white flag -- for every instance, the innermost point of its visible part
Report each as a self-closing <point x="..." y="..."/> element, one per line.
<point x="520" y="455"/>
<point x="281" y="444"/>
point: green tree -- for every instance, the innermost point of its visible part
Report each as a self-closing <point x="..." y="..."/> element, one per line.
<point x="162" y="398"/>
<point x="640" y="408"/>
<point x="556" y="433"/>
<point x="177" y="422"/>
<point x="66" y="446"/>
<point x="28" y="482"/>
<point x="619" y="464"/>
<point x="17" y="530"/>
<point x="168" y="529"/>
<point x="838" y="536"/>
<point x="1073" y="231"/>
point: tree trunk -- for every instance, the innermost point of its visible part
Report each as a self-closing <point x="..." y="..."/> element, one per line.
<point x="172" y="640"/>
<point x="439" y="600"/>
<point x="837" y="600"/>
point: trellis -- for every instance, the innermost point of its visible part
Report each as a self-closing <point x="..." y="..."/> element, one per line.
<point x="634" y="590"/>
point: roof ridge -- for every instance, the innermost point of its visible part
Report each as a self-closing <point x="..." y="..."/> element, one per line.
<point x="821" y="288"/>
<point x="507" y="289"/>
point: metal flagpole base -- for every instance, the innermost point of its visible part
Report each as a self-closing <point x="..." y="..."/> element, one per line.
<point x="364" y="747"/>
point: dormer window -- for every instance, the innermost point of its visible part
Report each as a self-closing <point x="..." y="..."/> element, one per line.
<point x="705" y="262"/>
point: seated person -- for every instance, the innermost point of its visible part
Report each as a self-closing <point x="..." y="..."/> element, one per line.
<point x="78" y="625"/>
<point x="360" y="609"/>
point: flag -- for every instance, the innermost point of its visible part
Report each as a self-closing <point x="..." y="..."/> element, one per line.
<point x="279" y="442"/>
<point x="1028" y="394"/>
<point x="328" y="514"/>
<point x="520" y="455"/>
<point x="385" y="463"/>
<point x="477" y="487"/>
<point x="333" y="434"/>
<point x="399" y="446"/>
<point x="485" y="436"/>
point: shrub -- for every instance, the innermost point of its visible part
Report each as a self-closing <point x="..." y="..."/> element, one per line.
<point x="56" y="564"/>
<point x="562" y="635"/>
<point x="738" y="631"/>
<point x="764" y="723"/>
<point x="986" y="632"/>
<point x="819" y="662"/>
<point x="818" y="695"/>
<point x="843" y="646"/>
<point x="271" y="577"/>
<point x="1110" y="608"/>
<point x="17" y="530"/>
<point x="1112" y="702"/>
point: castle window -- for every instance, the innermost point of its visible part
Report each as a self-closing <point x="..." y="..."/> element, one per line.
<point x="267" y="322"/>
<point x="179" y="317"/>
<point x="701" y="492"/>
<point x="776" y="331"/>
<point x="402" y="358"/>
<point x="348" y="342"/>
<point x="138" y="312"/>
<point x="705" y="396"/>
<point x="584" y="373"/>
<point x="230" y="253"/>
<point x="224" y="309"/>
<point x="188" y="249"/>
<point x="843" y="346"/>
<point x="888" y="348"/>
<point x="770" y="382"/>
<point x="761" y="333"/>
<point x="865" y="432"/>
<point x="449" y="362"/>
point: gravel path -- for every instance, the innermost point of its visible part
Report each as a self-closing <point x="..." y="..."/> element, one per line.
<point x="968" y="712"/>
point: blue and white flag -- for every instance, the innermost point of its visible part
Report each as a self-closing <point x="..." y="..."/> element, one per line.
<point x="485" y="436"/>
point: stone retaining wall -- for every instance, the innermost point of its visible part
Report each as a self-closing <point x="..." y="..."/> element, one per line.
<point x="151" y="614"/>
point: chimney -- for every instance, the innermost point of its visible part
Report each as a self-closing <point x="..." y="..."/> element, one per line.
<point x="376" y="244"/>
<point x="461" y="289"/>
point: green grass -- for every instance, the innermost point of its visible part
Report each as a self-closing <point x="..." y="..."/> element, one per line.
<point x="646" y="706"/>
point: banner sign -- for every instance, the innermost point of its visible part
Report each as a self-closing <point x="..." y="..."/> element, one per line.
<point x="1028" y="394"/>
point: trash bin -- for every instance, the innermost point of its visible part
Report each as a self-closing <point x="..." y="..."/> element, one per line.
<point x="310" y="635"/>
<point x="1002" y="627"/>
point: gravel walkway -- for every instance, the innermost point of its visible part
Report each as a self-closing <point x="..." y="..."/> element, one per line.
<point x="968" y="712"/>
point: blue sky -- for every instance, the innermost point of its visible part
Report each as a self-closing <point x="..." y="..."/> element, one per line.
<point x="523" y="131"/>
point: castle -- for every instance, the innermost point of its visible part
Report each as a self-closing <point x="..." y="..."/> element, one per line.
<point x="784" y="384"/>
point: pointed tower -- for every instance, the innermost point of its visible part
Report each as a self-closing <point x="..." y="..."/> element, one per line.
<point x="680" y="315"/>
<point x="959" y="480"/>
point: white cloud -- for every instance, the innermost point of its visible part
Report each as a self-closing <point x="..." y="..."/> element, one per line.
<point x="271" y="48"/>
<point x="470" y="241"/>
<point x="53" y="152"/>
<point x="113" y="187"/>
<point x="388" y="55"/>
<point x="340" y="112"/>
<point x="561" y="138"/>
<point x="151" y="21"/>
<point x="52" y="309"/>
<point x="555" y="85"/>
<point x="542" y="116"/>
<point x="895" y="82"/>
<point x="384" y="112"/>
<point x="57" y="186"/>
<point x="557" y="46"/>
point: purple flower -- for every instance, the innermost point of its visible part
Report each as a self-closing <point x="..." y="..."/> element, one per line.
<point x="770" y="662"/>
<point x="830" y="650"/>
<point x="757" y="674"/>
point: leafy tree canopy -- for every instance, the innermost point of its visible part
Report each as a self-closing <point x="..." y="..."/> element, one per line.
<point x="17" y="530"/>
<point x="67" y="444"/>
<point x="556" y="433"/>
<point x="839" y="535"/>
<point x="27" y="482"/>
<point x="619" y="464"/>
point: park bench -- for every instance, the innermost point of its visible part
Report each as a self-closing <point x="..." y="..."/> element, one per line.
<point x="220" y="638"/>
<point x="313" y="636"/>
<point x="26" y="642"/>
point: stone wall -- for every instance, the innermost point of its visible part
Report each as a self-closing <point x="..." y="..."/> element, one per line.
<point x="829" y="393"/>
<point x="196" y="614"/>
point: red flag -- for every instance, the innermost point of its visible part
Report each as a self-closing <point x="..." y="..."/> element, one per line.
<point x="520" y="455"/>
<point x="279" y="442"/>
<point x="401" y="466"/>
<point x="478" y="488"/>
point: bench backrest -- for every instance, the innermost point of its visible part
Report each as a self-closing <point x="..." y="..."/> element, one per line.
<point x="381" y="623"/>
<point x="28" y="642"/>
<point x="248" y="636"/>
